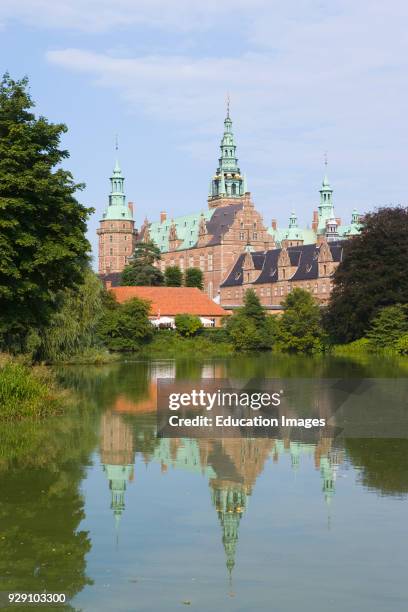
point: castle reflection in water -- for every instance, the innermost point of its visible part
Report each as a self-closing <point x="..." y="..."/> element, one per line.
<point x="231" y="465"/>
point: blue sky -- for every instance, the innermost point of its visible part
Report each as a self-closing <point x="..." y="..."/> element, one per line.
<point x="304" y="77"/>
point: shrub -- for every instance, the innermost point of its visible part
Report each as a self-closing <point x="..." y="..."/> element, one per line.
<point x="126" y="327"/>
<point x="401" y="345"/>
<point x="187" y="325"/>
<point x="388" y="326"/>
<point x="27" y="392"/>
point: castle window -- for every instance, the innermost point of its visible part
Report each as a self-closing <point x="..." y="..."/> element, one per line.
<point x="125" y="249"/>
<point x="123" y="225"/>
<point x="242" y="235"/>
<point x="324" y="269"/>
<point x="202" y="262"/>
<point x="283" y="273"/>
<point x="210" y="262"/>
<point x="254" y="224"/>
<point x="234" y="189"/>
<point x="242" y="225"/>
<point x="191" y="262"/>
<point x="125" y="237"/>
<point x="255" y="236"/>
<point x="110" y="251"/>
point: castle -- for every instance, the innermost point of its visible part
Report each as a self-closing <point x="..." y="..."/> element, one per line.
<point x="229" y="240"/>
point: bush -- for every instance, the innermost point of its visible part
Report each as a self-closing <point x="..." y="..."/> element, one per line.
<point x="401" y="345"/>
<point x="362" y="345"/>
<point x="388" y="326"/>
<point x="187" y="325"/>
<point x="126" y="327"/>
<point x="215" y="334"/>
<point x="27" y="392"/>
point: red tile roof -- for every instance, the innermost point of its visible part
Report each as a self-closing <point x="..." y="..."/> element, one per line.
<point x="170" y="301"/>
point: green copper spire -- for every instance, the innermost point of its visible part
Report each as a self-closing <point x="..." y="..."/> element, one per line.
<point x="325" y="208"/>
<point x="117" y="208"/>
<point x="228" y="180"/>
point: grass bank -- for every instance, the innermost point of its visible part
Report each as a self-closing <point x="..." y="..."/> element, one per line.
<point x="28" y="392"/>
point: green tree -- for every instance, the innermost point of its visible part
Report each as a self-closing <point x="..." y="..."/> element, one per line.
<point x="43" y="247"/>
<point x="141" y="270"/>
<point x="73" y="328"/>
<point x="126" y="327"/>
<point x="253" y="308"/>
<point x="249" y="327"/>
<point x="388" y="326"/>
<point x="300" y="328"/>
<point x="194" y="277"/>
<point x="187" y="324"/>
<point x="372" y="274"/>
<point x="173" y="276"/>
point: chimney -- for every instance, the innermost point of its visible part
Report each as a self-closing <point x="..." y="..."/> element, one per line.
<point x="274" y="224"/>
<point x="130" y="207"/>
<point x="315" y="221"/>
<point x="163" y="216"/>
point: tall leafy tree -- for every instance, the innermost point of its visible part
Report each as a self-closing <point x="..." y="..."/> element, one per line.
<point x="300" y="327"/>
<point x="373" y="274"/>
<point x="194" y="277"/>
<point x="43" y="247"/>
<point x="173" y="276"/>
<point x="141" y="269"/>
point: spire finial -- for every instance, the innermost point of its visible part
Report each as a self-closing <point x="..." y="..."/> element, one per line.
<point x="325" y="159"/>
<point x="116" y="142"/>
<point x="228" y="106"/>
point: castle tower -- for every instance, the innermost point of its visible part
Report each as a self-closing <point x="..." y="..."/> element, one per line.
<point x="228" y="185"/>
<point x="116" y="231"/>
<point x="325" y="208"/>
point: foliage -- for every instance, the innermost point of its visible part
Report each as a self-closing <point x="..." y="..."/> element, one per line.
<point x="300" y="327"/>
<point x="388" y="326"/>
<point x="371" y="276"/>
<point x="43" y="247"/>
<point x="73" y="328"/>
<point x="27" y="392"/>
<point x="362" y="345"/>
<point x="193" y="277"/>
<point x="173" y="277"/>
<point x="126" y="327"/>
<point x="249" y="328"/>
<point x="141" y="270"/>
<point x="215" y="334"/>
<point x="167" y="344"/>
<point x="187" y="325"/>
<point x="401" y="345"/>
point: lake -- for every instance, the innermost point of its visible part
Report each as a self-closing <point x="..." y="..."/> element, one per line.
<point x="94" y="505"/>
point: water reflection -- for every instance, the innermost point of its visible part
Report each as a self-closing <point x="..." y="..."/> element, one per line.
<point x="49" y="535"/>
